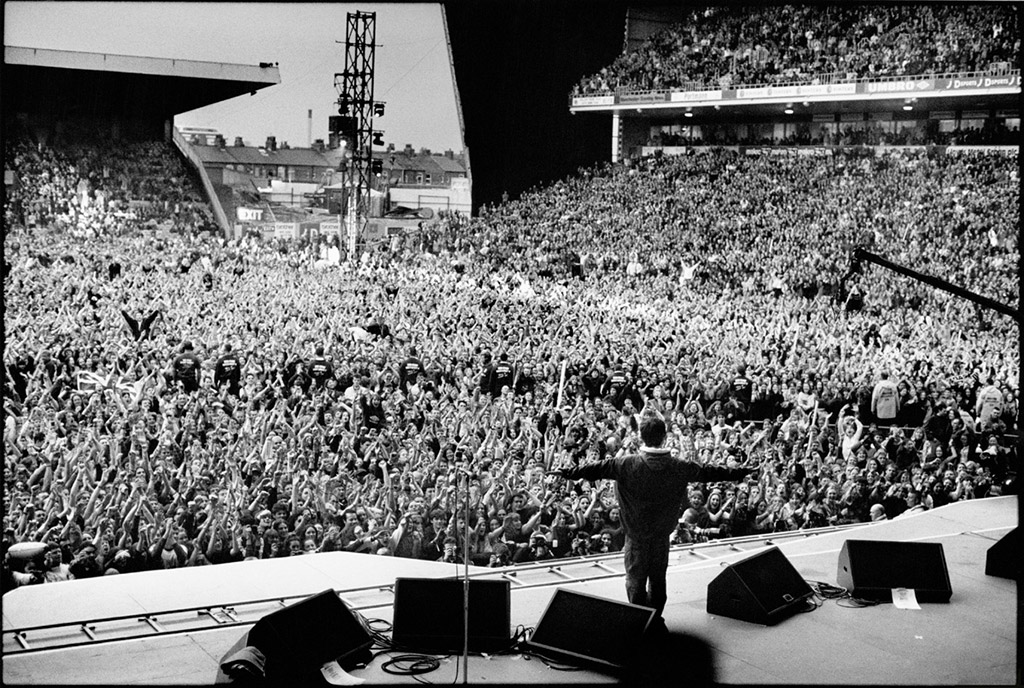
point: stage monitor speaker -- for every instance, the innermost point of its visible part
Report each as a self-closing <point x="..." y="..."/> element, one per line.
<point x="429" y="615"/>
<point x="764" y="589"/>
<point x="1004" y="558"/>
<point x="593" y="631"/>
<point x="302" y="637"/>
<point x="872" y="569"/>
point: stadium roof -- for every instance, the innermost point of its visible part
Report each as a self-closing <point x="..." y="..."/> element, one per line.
<point x="38" y="80"/>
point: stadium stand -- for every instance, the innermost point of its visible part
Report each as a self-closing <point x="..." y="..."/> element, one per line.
<point x="729" y="46"/>
<point x="182" y="399"/>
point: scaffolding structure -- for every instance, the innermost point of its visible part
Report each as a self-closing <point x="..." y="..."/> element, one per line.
<point x="355" y="101"/>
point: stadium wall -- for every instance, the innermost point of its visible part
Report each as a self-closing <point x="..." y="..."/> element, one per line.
<point x="516" y="62"/>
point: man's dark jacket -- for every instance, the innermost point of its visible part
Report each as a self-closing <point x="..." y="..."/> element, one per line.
<point x="651" y="487"/>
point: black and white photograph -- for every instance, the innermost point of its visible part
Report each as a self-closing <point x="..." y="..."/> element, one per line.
<point x="511" y="342"/>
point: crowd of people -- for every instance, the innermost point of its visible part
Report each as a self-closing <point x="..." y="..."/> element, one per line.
<point x="187" y="400"/>
<point x="107" y="188"/>
<point x="726" y="46"/>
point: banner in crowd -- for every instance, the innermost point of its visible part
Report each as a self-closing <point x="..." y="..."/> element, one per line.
<point x="374" y="232"/>
<point x="696" y="95"/>
<point x="309" y="230"/>
<point x="906" y="86"/>
<point x="792" y="91"/>
<point x="331" y="227"/>
<point x="286" y="230"/>
<point x="584" y="101"/>
<point x="642" y="97"/>
<point x="980" y="81"/>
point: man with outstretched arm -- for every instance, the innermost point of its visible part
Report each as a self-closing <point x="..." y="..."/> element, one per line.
<point x="651" y="489"/>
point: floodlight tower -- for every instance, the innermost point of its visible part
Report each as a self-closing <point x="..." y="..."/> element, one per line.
<point x="356" y="105"/>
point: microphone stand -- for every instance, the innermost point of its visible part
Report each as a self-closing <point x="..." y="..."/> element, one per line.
<point x="465" y="585"/>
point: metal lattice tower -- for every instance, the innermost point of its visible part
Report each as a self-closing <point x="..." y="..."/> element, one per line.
<point x="355" y="97"/>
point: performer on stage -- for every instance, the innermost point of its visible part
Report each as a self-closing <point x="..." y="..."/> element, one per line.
<point x="651" y="489"/>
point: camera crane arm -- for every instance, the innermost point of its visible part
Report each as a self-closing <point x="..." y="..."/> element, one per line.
<point x="860" y="255"/>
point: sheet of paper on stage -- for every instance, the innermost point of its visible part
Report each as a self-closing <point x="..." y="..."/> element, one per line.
<point x="904" y="598"/>
<point x="335" y="675"/>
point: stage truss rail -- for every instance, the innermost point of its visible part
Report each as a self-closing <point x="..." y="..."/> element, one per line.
<point x="361" y="599"/>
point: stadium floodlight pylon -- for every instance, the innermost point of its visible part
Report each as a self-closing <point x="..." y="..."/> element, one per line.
<point x="355" y="96"/>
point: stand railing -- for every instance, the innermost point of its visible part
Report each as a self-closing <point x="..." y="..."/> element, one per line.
<point x="211" y="194"/>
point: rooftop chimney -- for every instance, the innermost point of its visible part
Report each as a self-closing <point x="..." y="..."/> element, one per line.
<point x="449" y="154"/>
<point x="424" y="151"/>
<point x="238" y="142"/>
<point x="219" y="141"/>
<point x="271" y="143"/>
<point x="408" y="149"/>
<point x="318" y="145"/>
<point x="391" y="148"/>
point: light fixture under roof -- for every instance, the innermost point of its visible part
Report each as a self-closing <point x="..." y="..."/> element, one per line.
<point x="788" y="111"/>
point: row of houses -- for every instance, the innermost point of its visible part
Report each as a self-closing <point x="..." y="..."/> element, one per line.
<point x="401" y="168"/>
<point x="253" y="183"/>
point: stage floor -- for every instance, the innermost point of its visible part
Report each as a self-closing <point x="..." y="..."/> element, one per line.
<point x="970" y="641"/>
